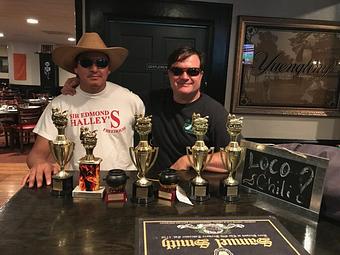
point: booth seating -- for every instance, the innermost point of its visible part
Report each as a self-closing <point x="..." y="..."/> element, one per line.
<point x="331" y="196"/>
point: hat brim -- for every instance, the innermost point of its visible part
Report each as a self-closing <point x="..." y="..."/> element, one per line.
<point x="65" y="56"/>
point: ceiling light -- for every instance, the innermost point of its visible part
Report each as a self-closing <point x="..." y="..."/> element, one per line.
<point x="71" y="39"/>
<point x="32" y="21"/>
<point x="2" y="35"/>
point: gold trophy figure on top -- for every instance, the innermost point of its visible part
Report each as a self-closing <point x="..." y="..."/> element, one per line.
<point x="89" y="165"/>
<point x="198" y="158"/>
<point x="231" y="157"/>
<point x="62" y="150"/>
<point x="143" y="157"/>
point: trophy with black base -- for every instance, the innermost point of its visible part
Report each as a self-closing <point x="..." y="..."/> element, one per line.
<point x="198" y="157"/>
<point x="89" y="168"/>
<point x="231" y="158"/>
<point x="143" y="157"/>
<point x="62" y="150"/>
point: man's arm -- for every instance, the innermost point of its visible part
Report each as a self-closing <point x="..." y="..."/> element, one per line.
<point x="215" y="165"/>
<point x="40" y="164"/>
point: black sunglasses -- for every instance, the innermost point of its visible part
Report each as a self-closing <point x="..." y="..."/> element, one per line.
<point x="99" y="62"/>
<point x="191" y="71"/>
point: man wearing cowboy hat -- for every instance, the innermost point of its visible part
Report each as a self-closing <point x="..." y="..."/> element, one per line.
<point x="98" y="105"/>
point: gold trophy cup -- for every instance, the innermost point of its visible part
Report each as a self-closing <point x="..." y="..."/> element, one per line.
<point x="62" y="150"/>
<point x="231" y="157"/>
<point x="143" y="157"/>
<point x="198" y="158"/>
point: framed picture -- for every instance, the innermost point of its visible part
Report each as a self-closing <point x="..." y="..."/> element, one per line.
<point x="3" y="65"/>
<point x="287" y="67"/>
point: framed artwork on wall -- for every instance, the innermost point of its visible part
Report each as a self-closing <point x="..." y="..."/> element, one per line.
<point x="287" y="67"/>
<point x="3" y="64"/>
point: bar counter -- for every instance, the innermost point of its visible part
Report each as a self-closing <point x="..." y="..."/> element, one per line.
<point x="35" y="222"/>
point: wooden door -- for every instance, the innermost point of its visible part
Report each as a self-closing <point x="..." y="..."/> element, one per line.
<point x="152" y="29"/>
<point x="149" y="45"/>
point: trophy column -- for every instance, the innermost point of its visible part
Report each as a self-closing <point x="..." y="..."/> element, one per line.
<point x="231" y="157"/>
<point x="198" y="158"/>
<point x="89" y="165"/>
<point x="62" y="150"/>
<point x="143" y="157"/>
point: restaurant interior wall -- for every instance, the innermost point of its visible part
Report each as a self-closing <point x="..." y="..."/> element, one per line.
<point x="32" y="63"/>
<point x="283" y="127"/>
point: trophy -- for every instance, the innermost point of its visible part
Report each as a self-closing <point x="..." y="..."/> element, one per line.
<point x="89" y="167"/>
<point x="168" y="181"/>
<point x="62" y="150"/>
<point x="198" y="158"/>
<point x="115" y="190"/>
<point x="143" y="157"/>
<point x="231" y="157"/>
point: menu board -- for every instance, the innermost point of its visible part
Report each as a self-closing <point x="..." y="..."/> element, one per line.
<point x="217" y="236"/>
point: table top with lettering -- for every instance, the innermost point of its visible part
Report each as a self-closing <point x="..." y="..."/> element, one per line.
<point x="36" y="222"/>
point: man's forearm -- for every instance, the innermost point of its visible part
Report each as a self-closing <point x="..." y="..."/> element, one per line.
<point x="216" y="164"/>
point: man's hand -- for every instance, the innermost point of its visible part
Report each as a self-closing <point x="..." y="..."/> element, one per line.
<point x="215" y="164"/>
<point x="70" y="86"/>
<point x="37" y="172"/>
<point x="182" y="163"/>
<point x="40" y="163"/>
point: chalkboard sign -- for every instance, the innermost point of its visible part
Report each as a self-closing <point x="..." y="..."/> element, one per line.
<point x="284" y="175"/>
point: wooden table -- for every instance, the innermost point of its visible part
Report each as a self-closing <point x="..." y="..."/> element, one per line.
<point x="35" y="222"/>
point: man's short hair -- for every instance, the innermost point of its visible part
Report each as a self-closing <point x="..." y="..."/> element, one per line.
<point x="182" y="53"/>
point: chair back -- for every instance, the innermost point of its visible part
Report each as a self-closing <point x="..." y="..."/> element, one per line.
<point x="40" y="95"/>
<point x="8" y="119"/>
<point x="9" y="97"/>
<point x="29" y="115"/>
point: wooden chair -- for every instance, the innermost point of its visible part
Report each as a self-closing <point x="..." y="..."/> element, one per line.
<point x="6" y="123"/>
<point x="27" y="119"/>
<point x="40" y="95"/>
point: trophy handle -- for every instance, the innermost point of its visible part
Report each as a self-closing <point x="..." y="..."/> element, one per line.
<point x="223" y="154"/>
<point x="210" y="153"/>
<point x="70" y="154"/>
<point x="233" y="168"/>
<point x="242" y="156"/>
<point x="131" y="151"/>
<point x="189" y="152"/>
<point x="155" y="154"/>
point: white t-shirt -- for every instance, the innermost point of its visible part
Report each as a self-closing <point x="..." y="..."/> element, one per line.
<point x="110" y="112"/>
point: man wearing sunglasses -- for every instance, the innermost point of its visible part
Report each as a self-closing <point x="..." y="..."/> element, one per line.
<point x="98" y="105"/>
<point x="172" y="109"/>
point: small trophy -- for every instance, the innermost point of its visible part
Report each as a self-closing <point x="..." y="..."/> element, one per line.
<point x="89" y="167"/>
<point x="115" y="190"/>
<point x="62" y="150"/>
<point x="168" y="181"/>
<point x="199" y="187"/>
<point x="231" y="157"/>
<point x="143" y="157"/>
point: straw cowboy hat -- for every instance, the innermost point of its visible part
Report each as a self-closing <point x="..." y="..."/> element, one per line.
<point x="65" y="56"/>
